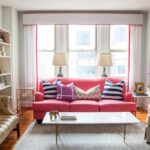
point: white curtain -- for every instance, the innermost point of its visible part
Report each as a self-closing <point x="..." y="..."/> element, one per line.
<point x="62" y="45"/>
<point x="62" y="37"/>
<point x="103" y="37"/>
<point x="30" y="55"/>
<point x="135" y="56"/>
<point x="103" y="40"/>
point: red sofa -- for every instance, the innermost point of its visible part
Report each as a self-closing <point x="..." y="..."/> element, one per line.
<point x="41" y="106"/>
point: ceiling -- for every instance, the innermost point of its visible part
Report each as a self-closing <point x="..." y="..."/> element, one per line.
<point x="100" y="5"/>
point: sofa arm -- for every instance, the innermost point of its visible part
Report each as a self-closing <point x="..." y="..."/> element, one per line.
<point x="4" y="105"/>
<point x="128" y="97"/>
<point x="39" y="96"/>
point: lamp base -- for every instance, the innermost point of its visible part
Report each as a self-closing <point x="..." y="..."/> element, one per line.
<point x="104" y="75"/>
<point x="104" y="72"/>
<point x="60" y="75"/>
<point x="60" y="72"/>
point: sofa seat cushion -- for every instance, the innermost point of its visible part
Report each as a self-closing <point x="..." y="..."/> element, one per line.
<point x="49" y="105"/>
<point x="116" y="106"/>
<point x="84" y="106"/>
<point x="7" y="124"/>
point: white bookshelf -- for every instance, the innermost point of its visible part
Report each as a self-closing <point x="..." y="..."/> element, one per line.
<point x="5" y="63"/>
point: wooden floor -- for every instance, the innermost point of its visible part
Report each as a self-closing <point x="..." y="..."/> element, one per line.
<point x="27" y="118"/>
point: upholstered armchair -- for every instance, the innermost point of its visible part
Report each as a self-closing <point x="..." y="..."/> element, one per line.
<point x="147" y="130"/>
<point x="8" y="120"/>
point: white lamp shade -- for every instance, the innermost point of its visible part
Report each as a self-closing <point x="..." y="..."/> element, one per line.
<point x="104" y="59"/>
<point x="60" y="59"/>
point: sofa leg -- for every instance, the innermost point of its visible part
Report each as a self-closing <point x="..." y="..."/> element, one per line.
<point x="39" y="121"/>
<point x="18" y="130"/>
<point x="135" y="113"/>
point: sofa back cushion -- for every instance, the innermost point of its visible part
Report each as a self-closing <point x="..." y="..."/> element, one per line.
<point x="113" y="91"/>
<point x="91" y="94"/>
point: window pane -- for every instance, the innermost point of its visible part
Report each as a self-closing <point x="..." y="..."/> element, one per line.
<point x="45" y="37"/>
<point x="120" y="64"/>
<point x="45" y="67"/>
<point x="82" y="64"/>
<point x="81" y="37"/>
<point x="45" y="45"/>
<point x="119" y="37"/>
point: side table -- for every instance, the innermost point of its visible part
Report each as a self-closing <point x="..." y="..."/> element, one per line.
<point x="139" y="98"/>
<point x="25" y="97"/>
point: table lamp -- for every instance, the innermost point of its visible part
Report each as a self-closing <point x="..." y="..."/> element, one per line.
<point x="104" y="59"/>
<point x="60" y="59"/>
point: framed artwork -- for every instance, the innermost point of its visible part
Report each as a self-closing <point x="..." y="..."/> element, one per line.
<point x="139" y="87"/>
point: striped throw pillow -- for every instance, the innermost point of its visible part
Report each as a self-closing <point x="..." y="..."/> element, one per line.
<point x="113" y="91"/>
<point x="50" y="89"/>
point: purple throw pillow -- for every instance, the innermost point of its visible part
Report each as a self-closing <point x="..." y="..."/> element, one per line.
<point x="65" y="92"/>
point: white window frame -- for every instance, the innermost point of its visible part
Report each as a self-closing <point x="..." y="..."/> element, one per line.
<point x="120" y="51"/>
<point x="72" y="50"/>
<point x="92" y="39"/>
<point x="48" y="51"/>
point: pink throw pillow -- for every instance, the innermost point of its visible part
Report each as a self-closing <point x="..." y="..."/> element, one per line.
<point x="65" y="92"/>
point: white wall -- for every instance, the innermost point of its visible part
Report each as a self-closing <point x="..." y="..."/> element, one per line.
<point x="0" y="16"/>
<point x="144" y="49"/>
<point x="146" y="64"/>
<point x="21" y="53"/>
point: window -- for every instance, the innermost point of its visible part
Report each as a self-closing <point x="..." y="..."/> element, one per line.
<point x="119" y="35"/>
<point x="81" y="37"/>
<point x="82" y="64"/>
<point x="45" y="52"/>
<point x="120" y="64"/>
<point x="82" y="51"/>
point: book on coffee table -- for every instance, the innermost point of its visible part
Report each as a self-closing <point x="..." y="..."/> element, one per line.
<point x="68" y="117"/>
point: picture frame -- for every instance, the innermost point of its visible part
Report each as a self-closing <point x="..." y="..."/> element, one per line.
<point x="139" y="87"/>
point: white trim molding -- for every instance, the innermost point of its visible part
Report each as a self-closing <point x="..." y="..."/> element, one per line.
<point x="82" y="18"/>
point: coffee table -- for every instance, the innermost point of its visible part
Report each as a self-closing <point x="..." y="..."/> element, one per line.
<point x="105" y="118"/>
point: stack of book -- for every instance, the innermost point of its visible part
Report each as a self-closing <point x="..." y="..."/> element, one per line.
<point x="68" y="117"/>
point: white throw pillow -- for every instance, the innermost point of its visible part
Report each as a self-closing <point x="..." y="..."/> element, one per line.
<point x="91" y="94"/>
